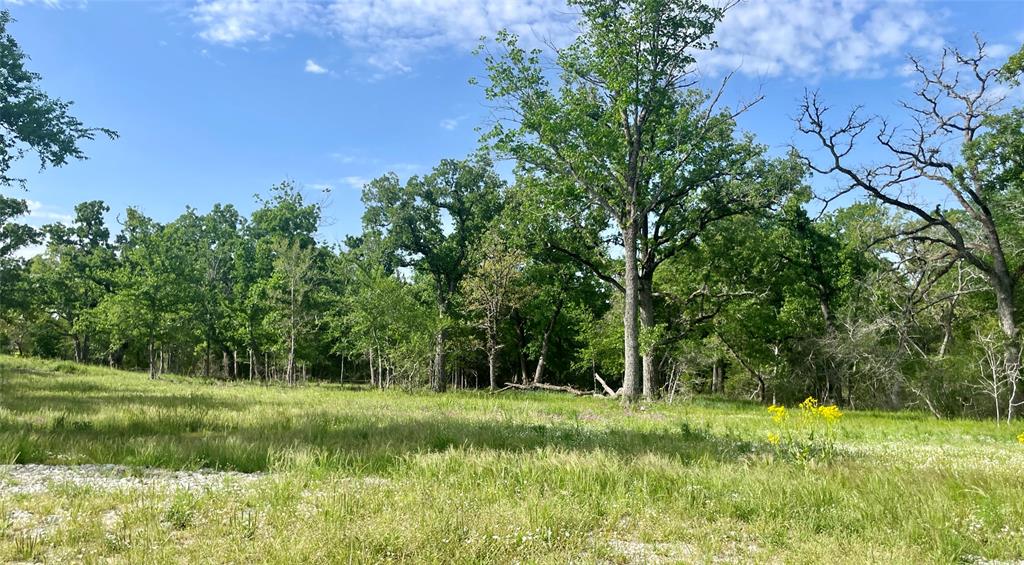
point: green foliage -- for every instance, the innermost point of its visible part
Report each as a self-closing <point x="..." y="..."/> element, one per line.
<point x="31" y="119"/>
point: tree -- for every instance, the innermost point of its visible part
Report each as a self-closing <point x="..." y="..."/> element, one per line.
<point x="492" y="290"/>
<point x="962" y="144"/>
<point x="13" y="275"/>
<point x="291" y="285"/>
<point x="626" y="140"/>
<point x="214" y="239"/>
<point x="31" y="120"/>
<point x="74" y="274"/>
<point x="432" y="223"/>
<point x="283" y="216"/>
<point x="154" y="283"/>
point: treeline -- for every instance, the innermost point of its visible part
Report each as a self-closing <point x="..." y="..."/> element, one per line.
<point x="645" y="246"/>
<point x="462" y="280"/>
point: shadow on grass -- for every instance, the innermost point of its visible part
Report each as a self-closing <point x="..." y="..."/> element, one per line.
<point x="97" y="424"/>
<point x="176" y="442"/>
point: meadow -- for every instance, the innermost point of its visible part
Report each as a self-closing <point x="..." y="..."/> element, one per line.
<point x="325" y="473"/>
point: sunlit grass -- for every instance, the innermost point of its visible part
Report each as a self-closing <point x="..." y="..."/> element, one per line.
<point x="369" y="476"/>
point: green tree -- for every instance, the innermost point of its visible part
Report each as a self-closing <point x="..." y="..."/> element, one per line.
<point x="432" y="223"/>
<point x="291" y="287"/>
<point x="492" y="289"/>
<point x="155" y="285"/>
<point x="283" y="216"/>
<point x="14" y="295"/>
<point x="31" y="120"/>
<point x="625" y="140"/>
<point x="75" y="274"/>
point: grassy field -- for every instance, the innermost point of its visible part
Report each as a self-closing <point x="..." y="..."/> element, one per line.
<point x="344" y="475"/>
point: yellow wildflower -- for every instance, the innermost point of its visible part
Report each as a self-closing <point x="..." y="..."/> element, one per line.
<point x="778" y="413"/>
<point x="1020" y="438"/>
<point x="774" y="438"/>
<point x="829" y="413"/>
<point x="809" y="405"/>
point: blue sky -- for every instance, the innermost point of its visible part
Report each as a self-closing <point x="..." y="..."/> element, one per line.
<point x="216" y="101"/>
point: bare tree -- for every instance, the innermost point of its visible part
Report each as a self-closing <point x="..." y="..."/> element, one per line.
<point x="952" y="113"/>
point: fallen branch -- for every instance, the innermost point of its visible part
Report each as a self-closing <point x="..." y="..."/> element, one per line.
<point x="607" y="389"/>
<point x="542" y="386"/>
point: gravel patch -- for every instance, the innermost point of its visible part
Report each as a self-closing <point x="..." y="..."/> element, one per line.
<point x="36" y="479"/>
<point x="649" y="553"/>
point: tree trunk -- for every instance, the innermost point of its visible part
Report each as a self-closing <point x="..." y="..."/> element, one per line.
<point x="1007" y="311"/>
<point x="152" y="361"/>
<point x="290" y="369"/>
<point x="440" y="376"/>
<point x="538" y="375"/>
<point x="521" y="344"/>
<point x="373" y="374"/>
<point x="631" y="343"/>
<point x="492" y="360"/>
<point x="718" y="377"/>
<point x="833" y="385"/>
<point x="650" y="370"/>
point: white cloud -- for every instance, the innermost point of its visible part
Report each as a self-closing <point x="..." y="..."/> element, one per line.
<point x="999" y="50"/>
<point x="239" y="21"/>
<point x="355" y="182"/>
<point x="45" y="213"/>
<point x="30" y="251"/>
<point x="45" y="3"/>
<point x="389" y="34"/>
<point x="815" y="37"/>
<point x="451" y="123"/>
<point x="759" y="37"/>
<point x="313" y="67"/>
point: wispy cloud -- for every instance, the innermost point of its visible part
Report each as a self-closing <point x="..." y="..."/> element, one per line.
<point x="388" y="34"/>
<point x="356" y="182"/>
<point x="758" y="37"/>
<point x="42" y="213"/>
<point x="239" y="21"/>
<point x="314" y="68"/>
<point x="46" y="3"/>
<point x="30" y="251"/>
<point x="451" y="123"/>
<point x="353" y="158"/>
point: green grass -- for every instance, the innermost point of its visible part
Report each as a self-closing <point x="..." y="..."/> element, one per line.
<point x="353" y="475"/>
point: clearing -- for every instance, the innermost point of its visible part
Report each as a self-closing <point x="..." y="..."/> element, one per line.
<point x="183" y="470"/>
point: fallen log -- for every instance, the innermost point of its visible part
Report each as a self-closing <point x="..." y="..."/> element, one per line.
<point x="607" y="389"/>
<point x="543" y="386"/>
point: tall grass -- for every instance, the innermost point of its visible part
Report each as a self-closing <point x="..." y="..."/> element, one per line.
<point x="369" y="476"/>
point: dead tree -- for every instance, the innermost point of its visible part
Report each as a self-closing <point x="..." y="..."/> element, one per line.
<point x="950" y="113"/>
